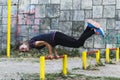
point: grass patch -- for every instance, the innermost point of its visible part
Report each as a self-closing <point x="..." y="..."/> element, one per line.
<point x="58" y="76"/>
<point x="76" y="68"/>
<point x="34" y="53"/>
<point x="111" y="62"/>
<point x="100" y="63"/>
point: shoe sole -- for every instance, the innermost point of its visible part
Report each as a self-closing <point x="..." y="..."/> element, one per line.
<point x="100" y="31"/>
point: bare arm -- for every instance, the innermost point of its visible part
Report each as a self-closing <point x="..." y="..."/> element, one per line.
<point x="42" y="43"/>
<point x="55" y="52"/>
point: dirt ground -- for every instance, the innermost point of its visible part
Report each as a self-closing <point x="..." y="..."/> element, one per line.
<point x="14" y="68"/>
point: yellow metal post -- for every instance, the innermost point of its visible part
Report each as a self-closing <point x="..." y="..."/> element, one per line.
<point x="8" y="28"/>
<point x="65" y="65"/>
<point x="98" y="57"/>
<point x="42" y="68"/>
<point x="107" y="55"/>
<point x="84" y="61"/>
<point x="117" y="54"/>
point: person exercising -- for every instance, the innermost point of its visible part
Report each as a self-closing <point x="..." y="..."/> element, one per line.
<point x="52" y="39"/>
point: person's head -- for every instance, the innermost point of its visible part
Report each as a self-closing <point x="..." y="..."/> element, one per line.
<point x="24" y="47"/>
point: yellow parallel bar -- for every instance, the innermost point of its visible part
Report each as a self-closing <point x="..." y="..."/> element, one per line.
<point x="84" y="61"/>
<point x="107" y="55"/>
<point x="98" y="57"/>
<point x="42" y="68"/>
<point x="8" y="28"/>
<point x="117" y="54"/>
<point x="65" y="65"/>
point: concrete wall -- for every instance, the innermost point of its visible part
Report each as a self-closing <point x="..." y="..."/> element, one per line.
<point x="31" y="17"/>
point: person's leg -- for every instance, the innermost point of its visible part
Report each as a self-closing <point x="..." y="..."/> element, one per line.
<point x="64" y="40"/>
<point x="86" y="34"/>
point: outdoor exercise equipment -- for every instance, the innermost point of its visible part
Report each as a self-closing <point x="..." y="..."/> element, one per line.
<point x="42" y="65"/>
<point x="8" y="28"/>
<point x="84" y="57"/>
<point x="108" y="54"/>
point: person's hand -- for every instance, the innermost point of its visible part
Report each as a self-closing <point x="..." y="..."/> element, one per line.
<point x="50" y="56"/>
<point x="56" y="53"/>
<point x="57" y="56"/>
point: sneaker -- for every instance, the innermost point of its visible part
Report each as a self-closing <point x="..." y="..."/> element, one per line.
<point x="93" y="24"/>
<point x="90" y="25"/>
<point x="96" y="26"/>
<point x="99" y="31"/>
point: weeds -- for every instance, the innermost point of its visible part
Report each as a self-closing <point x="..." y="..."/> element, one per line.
<point x="35" y="53"/>
<point x="59" y="76"/>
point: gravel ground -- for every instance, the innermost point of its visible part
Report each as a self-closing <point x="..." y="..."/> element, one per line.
<point x="14" y="68"/>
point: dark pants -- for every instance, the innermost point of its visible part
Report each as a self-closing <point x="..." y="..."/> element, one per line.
<point x="67" y="41"/>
